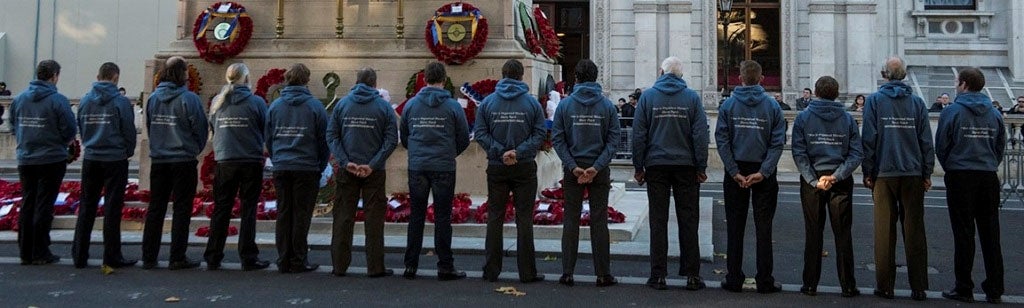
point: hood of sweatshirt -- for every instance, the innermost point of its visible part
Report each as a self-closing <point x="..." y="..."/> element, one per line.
<point x="510" y="89"/>
<point x="294" y="95"/>
<point x="587" y="93"/>
<point x="363" y="94"/>
<point x="896" y="89"/>
<point x="240" y="94"/>
<point x="168" y="91"/>
<point x="976" y="102"/>
<point x="106" y="91"/>
<point x="669" y="84"/>
<point x="827" y="110"/>
<point x="40" y="89"/>
<point x="749" y="95"/>
<point x="434" y="96"/>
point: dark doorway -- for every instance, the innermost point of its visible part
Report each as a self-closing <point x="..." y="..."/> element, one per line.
<point x="572" y="23"/>
<point x="754" y="33"/>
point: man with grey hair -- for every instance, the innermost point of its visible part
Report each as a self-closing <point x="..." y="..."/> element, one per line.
<point x="897" y="166"/>
<point x="670" y="151"/>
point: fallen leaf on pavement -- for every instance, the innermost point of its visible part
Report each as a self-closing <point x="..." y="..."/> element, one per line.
<point x="749" y="281"/>
<point x="718" y="271"/>
<point x="172" y="299"/>
<point x="824" y="253"/>
<point x="430" y="252"/>
<point x="106" y="269"/>
<point x="550" y="258"/>
<point x="509" y="291"/>
<point x="721" y="255"/>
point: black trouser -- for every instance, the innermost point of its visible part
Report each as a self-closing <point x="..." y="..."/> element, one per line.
<point x="973" y="199"/>
<point x="900" y="199"/>
<point x="521" y="181"/>
<point x="97" y="177"/>
<point x="837" y="204"/>
<point x="40" y="185"/>
<point x="244" y="179"/>
<point x="680" y="183"/>
<point x="350" y="189"/>
<point x="296" y="197"/>
<point x="179" y="179"/>
<point x="599" y="239"/>
<point x="442" y="184"/>
<point x="764" y="196"/>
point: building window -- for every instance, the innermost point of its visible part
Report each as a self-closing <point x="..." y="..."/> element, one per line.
<point x="950" y="4"/>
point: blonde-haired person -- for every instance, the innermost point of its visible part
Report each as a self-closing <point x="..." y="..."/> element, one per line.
<point x="237" y="118"/>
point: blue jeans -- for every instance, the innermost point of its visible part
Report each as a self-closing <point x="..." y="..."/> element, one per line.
<point x="442" y="184"/>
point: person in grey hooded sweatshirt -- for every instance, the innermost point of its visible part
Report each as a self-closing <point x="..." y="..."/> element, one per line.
<point x="178" y="129"/>
<point x="237" y="118"/>
<point x="362" y="134"/>
<point x="510" y="128"/>
<point x="750" y="134"/>
<point x="107" y="124"/>
<point x="296" y="134"/>
<point x="827" y="149"/>
<point x="586" y="136"/>
<point x="969" y="143"/>
<point x="435" y="131"/>
<point x="670" y="153"/>
<point x="897" y="166"/>
<point x="43" y="126"/>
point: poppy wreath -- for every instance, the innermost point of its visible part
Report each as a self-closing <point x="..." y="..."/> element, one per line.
<point x="549" y="39"/>
<point x="398" y="208"/>
<point x="477" y="33"/>
<point x="273" y="77"/>
<point x="460" y="209"/>
<point x="194" y="83"/>
<point x="510" y="212"/>
<point x="229" y="38"/>
<point x="74" y="150"/>
<point x="416" y="83"/>
<point x="476" y="94"/>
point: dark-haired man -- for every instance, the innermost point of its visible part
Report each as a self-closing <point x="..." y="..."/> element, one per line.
<point x="362" y="133"/>
<point x="43" y="126"/>
<point x="827" y="149"/>
<point x="897" y="166"/>
<point x="750" y="134"/>
<point x="107" y="124"/>
<point x="510" y="128"/>
<point x="969" y="143"/>
<point x="804" y="100"/>
<point x="586" y="136"/>
<point x="435" y="131"/>
<point x="628" y="110"/>
<point x="177" y="128"/>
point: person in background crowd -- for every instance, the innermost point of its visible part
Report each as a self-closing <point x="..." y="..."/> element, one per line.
<point x="969" y="143"/>
<point x="43" y="126"/>
<point x="998" y="106"/>
<point x="826" y="150"/>
<point x="670" y="152"/>
<point x="858" y="103"/>
<point x="296" y="136"/>
<point x="122" y="91"/>
<point x="237" y="120"/>
<point x="511" y="130"/>
<point x="107" y="124"/>
<point x="3" y="89"/>
<point x="362" y="133"/>
<point x="552" y="104"/>
<point x="435" y="131"/>
<point x="898" y="163"/>
<point x="804" y="100"/>
<point x="942" y="101"/>
<point x="782" y="105"/>
<point x="628" y="110"/>
<point x="178" y="129"/>
<point x="586" y="136"/>
<point x="1019" y="107"/>
<point x="750" y="135"/>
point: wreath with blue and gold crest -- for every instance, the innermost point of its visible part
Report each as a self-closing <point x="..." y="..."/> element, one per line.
<point x="222" y="31"/>
<point x="456" y="33"/>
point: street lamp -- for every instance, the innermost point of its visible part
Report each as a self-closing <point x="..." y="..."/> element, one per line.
<point x="725" y="6"/>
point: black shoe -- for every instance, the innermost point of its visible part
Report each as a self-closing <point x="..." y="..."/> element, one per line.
<point x="51" y="259"/>
<point x="303" y="268"/>
<point x="148" y="265"/>
<point x="774" y="288"/>
<point x="566" y="280"/>
<point x="809" y="291"/>
<point x="410" y="273"/>
<point x="657" y="283"/>
<point x="732" y="287"/>
<point x="490" y="278"/>
<point x="212" y="266"/>
<point x="958" y="296"/>
<point x="385" y="273"/>
<point x="850" y="292"/>
<point x="995" y="299"/>
<point x="450" y="275"/>
<point x="121" y="263"/>
<point x="694" y="283"/>
<point x="918" y="295"/>
<point x="535" y="278"/>
<point x="255" y="265"/>
<point x="183" y="264"/>
<point x="606" y="281"/>
<point x="884" y="294"/>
